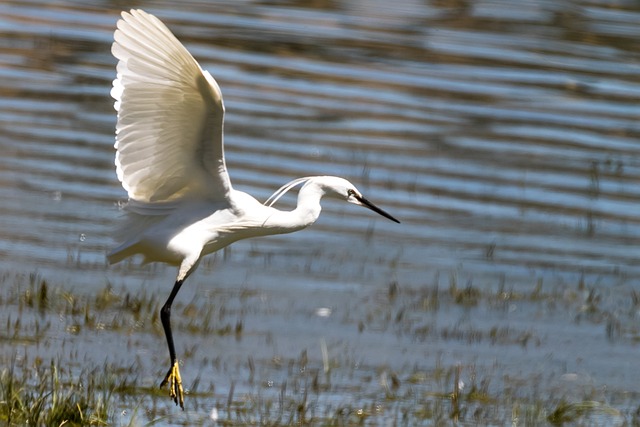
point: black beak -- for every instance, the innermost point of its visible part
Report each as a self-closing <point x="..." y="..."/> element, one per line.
<point x="374" y="208"/>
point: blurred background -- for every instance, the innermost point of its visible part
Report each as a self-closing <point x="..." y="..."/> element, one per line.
<point x="503" y="135"/>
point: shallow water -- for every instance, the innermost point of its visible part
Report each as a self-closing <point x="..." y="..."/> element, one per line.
<point x="505" y="139"/>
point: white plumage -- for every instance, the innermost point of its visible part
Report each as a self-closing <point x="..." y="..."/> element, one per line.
<point x="170" y="115"/>
<point x="170" y="160"/>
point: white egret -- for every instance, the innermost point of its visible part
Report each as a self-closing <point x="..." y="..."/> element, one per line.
<point x="170" y="160"/>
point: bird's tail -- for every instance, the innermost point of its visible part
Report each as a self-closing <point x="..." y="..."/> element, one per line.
<point x="121" y="252"/>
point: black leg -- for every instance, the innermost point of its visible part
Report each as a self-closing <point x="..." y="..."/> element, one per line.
<point x="173" y="376"/>
<point x="165" y="317"/>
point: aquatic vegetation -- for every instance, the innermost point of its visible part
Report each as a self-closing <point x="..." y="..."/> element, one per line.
<point x="323" y="386"/>
<point x="34" y="393"/>
<point x="570" y="412"/>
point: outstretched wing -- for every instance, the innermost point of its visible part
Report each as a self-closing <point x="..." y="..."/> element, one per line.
<point x="170" y="114"/>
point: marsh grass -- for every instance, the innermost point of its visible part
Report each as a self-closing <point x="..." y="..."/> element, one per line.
<point x="44" y="395"/>
<point x="570" y="411"/>
<point x="317" y="389"/>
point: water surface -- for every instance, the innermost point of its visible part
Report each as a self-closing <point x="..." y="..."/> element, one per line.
<point x="504" y="138"/>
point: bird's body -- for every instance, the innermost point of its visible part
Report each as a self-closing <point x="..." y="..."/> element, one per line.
<point x="170" y="160"/>
<point x="181" y="233"/>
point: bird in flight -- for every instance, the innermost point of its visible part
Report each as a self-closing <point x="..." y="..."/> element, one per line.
<point x="170" y="160"/>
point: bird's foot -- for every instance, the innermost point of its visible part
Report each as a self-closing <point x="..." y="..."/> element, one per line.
<point x="175" y="384"/>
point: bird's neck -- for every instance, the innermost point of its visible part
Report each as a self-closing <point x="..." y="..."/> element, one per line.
<point x="306" y="212"/>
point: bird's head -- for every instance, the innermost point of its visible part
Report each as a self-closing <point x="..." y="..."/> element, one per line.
<point x="343" y="189"/>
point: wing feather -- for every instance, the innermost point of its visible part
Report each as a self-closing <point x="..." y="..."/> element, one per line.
<point x="169" y="137"/>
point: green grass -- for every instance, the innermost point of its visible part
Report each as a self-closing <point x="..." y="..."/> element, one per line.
<point x="41" y="395"/>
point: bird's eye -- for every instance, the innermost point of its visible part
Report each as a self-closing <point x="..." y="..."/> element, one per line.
<point x="351" y="192"/>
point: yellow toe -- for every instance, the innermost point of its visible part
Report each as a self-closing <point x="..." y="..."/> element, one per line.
<point x="175" y="384"/>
